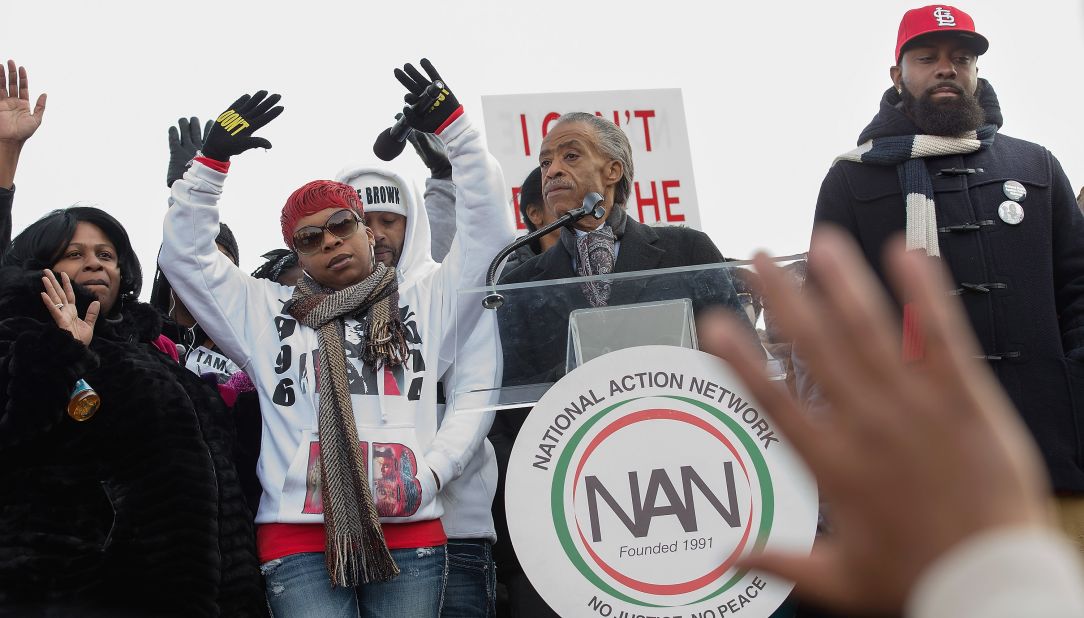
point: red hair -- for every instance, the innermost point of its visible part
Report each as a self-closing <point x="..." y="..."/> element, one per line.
<point x="313" y="197"/>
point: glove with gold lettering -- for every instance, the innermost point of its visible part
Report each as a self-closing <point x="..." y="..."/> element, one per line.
<point x="429" y="103"/>
<point x="231" y="133"/>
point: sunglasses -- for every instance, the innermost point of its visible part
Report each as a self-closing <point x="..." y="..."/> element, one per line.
<point x="310" y="238"/>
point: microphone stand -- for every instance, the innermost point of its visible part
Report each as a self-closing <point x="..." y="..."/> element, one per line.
<point x="592" y="205"/>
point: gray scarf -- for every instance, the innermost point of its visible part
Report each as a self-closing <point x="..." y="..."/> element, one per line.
<point x="596" y="253"/>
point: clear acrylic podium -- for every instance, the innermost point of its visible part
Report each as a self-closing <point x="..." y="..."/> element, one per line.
<point x="548" y="328"/>
<point x="596" y="331"/>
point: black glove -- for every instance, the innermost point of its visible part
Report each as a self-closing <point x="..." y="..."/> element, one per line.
<point x="432" y="152"/>
<point x="231" y="133"/>
<point x="430" y="103"/>
<point x="184" y="141"/>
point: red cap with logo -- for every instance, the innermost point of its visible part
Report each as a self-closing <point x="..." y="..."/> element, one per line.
<point x="938" y="18"/>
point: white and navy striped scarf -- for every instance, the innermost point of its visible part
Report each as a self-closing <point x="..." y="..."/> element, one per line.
<point x="906" y="153"/>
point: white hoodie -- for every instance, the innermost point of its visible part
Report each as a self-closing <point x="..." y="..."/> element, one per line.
<point x="395" y="410"/>
<point x="468" y="498"/>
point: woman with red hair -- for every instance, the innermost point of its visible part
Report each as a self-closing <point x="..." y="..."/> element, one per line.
<point x="346" y="366"/>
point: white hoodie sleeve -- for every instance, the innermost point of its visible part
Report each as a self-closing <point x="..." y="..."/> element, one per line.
<point x="483" y="224"/>
<point x="476" y="371"/>
<point x="225" y="301"/>
<point x="1007" y="572"/>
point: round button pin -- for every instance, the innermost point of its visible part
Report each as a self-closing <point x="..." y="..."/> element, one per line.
<point x="1010" y="212"/>
<point x="1014" y="190"/>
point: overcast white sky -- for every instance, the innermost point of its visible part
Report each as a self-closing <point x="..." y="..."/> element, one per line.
<point x="773" y="91"/>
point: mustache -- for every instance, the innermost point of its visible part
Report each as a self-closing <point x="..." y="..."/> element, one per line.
<point x="556" y="184"/>
<point x="948" y="85"/>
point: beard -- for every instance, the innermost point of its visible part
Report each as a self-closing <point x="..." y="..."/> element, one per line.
<point x="946" y="118"/>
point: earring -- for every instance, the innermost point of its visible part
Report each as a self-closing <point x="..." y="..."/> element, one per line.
<point x="372" y="257"/>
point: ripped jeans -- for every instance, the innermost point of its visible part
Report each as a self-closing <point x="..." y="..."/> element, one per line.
<point x="298" y="585"/>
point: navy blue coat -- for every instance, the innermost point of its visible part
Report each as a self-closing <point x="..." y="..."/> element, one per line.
<point x="1032" y="329"/>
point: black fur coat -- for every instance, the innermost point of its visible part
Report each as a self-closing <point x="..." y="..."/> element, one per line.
<point x="136" y="511"/>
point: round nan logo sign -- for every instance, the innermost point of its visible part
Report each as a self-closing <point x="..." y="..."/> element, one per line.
<point x="641" y="478"/>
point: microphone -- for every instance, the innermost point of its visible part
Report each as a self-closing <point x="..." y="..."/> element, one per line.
<point x="391" y="141"/>
<point x="592" y="205"/>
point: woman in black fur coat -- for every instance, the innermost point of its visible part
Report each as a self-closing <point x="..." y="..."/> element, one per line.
<point x="136" y="511"/>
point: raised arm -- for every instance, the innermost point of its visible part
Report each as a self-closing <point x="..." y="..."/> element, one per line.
<point x="225" y="301"/>
<point x="17" y="123"/>
<point x="482" y="225"/>
<point x="483" y="222"/>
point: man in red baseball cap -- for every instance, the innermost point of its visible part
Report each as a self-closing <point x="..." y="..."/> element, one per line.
<point x="939" y="96"/>
<point x="1001" y="214"/>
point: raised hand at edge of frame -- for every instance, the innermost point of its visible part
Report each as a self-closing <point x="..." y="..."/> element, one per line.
<point x="913" y="458"/>
<point x="17" y="122"/>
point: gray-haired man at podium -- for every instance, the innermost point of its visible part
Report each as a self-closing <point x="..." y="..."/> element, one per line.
<point x="582" y="153"/>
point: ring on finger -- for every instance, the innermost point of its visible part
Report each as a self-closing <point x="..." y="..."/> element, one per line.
<point x="59" y="305"/>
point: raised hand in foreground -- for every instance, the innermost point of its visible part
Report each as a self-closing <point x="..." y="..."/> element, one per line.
<point x="913" y="458"/>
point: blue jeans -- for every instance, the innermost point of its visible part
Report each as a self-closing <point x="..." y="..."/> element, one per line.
<point x="298" y="585"/>
<point x="472" y="580"/>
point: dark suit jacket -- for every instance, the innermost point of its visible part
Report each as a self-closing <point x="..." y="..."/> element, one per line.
<point x="534" y="321"/>
<point x="642" y="248"/>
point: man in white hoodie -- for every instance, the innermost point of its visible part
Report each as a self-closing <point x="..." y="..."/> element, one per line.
<point x="346" y="366"/>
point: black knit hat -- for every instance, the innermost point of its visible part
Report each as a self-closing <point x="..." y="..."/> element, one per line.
<point x="531" y="193"/>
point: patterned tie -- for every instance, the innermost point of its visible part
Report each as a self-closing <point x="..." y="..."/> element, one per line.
<point x="597" y="257"/>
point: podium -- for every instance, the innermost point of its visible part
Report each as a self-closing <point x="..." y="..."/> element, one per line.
<point x="641" y="469"/>
<point x="548" y="328"/>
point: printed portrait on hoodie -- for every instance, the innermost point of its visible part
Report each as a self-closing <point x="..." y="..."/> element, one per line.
<point x="396" y="490"/>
